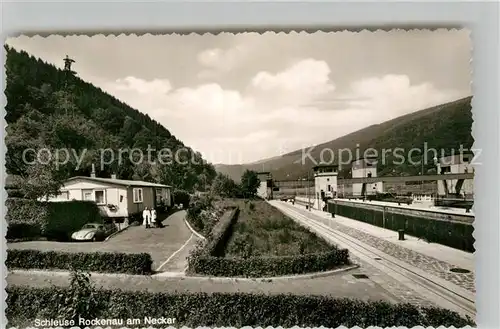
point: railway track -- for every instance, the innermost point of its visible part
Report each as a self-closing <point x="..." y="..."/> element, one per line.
<point x="436" y="290"/>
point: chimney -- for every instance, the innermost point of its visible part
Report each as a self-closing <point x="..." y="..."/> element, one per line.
<point x="113" y="176"/>
<point x="92" y="174"/>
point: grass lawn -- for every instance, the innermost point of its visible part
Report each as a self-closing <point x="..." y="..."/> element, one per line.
<point x="262" y="230"/>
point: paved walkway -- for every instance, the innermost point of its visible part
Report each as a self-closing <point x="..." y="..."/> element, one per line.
<point x="340" y="285"/>
<point x="167" y="243"/>
<point x="431" y="257"/>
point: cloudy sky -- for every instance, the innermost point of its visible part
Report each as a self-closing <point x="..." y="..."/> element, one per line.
<point x="241" y="98"/>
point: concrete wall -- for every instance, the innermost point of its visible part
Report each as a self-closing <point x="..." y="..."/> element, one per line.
<point x="407" y="210"/>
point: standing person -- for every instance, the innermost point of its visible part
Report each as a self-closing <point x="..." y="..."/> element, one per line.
<point x="146" y="215"/>
<point x="153" y="217"/>
<point x="144" y="219"/>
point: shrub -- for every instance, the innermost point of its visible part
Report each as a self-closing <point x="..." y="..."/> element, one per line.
<point x="221" y="232"/>
<point x="182" y="197"/>
<point x="25" y="218"/>
<point x="268" y="266"/>
<point x="94" y="262"/>
<point x="221" y="309"/>
<point x="28" y="218"/>
<point x="68" y="217"/>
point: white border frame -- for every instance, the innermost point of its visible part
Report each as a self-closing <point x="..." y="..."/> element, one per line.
<point x="155" y="17"/>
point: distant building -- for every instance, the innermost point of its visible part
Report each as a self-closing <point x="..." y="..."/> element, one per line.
<point x="456" y="164"/>
<point x="265" y="189"/>
<point x="325" y="184"/>
<point x="365" y="167"/>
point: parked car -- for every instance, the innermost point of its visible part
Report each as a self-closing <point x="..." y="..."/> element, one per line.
<point x="94" y="232"/>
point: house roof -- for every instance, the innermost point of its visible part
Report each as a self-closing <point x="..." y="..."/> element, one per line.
<point x="122" y="182"/>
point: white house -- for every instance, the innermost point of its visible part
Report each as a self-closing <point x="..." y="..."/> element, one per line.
<point x="325" y="183"/>
<point x="116" y="198"/>
<point x="265" y="189"/>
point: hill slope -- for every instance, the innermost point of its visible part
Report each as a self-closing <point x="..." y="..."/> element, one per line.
<point x="48" y="107"/>
<point x="442" y="127"/>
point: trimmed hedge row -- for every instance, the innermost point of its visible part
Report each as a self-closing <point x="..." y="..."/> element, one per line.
<point x="223" y="309"/>
<point x="93" y="262"/>
<point x="452" y="234"/>
<point x="64" y="218"/>
<point x="209" y="259"/>
<point x="28" y="218"/>
<point x="269" y="266"/>
<point x="221" y="232"/>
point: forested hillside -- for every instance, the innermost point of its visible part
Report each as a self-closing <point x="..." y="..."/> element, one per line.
<point x="53" y="109"/>
<point x="444" y="127"/>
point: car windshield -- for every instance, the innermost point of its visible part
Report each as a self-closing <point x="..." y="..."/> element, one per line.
<point x="89" y="226"/>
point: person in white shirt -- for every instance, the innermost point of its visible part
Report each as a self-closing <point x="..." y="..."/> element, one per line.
<point x="153" y="217"/>
<point x="146" y="217"/>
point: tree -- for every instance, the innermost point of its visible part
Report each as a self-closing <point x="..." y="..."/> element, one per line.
<point x="249" y="183"/>
<point x="43" y="178"/>
<point x="224" y="186"/>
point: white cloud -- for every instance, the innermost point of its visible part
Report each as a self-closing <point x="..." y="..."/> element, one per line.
<point x="219" y="61"/>
<point x="300" y="84"/>
<point x="394" y="95"/>
<point x="277" y="113"/>
<point x="156" y="86"/>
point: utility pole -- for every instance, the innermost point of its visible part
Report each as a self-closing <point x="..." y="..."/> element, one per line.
<point x="308" y="187"/>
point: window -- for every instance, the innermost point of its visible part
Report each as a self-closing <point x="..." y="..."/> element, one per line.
<point x="329" y="188"/>
<point x="87" y="195"/>
<point x="328" y="179"/>
<point x="137" y="192"/>
<point x="100" y="197"/>
<point x="65" y="195"/>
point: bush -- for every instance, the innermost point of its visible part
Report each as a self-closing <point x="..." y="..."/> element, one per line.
<point x="64" y="218"/>
<point x="182" y="197"/>
<point x="268" y="266"/>
<point x="25" y="218"/>
<point x="218" y="309"/>
<point x="28" y="218"/>
<point x="93" y="262"/>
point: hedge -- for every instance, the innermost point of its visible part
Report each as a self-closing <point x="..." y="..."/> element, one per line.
<point x="25" y="218"/>
<point x="28" y="218"/>
<point x="209" y="259"/>
<point x="452" y="234"/>
<point x="220" y="309"/>
<point x="269" y="266"/>
<point x="221" y="232"/>
<point x="92" y="261"/>
<point x="68" y="217"/>
<point x="182" y="197"/>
